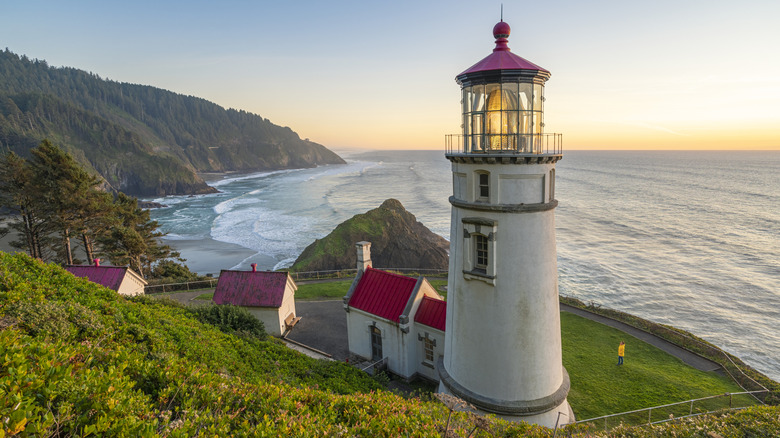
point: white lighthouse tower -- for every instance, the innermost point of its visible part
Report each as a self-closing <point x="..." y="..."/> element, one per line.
<point x="503" y="336"/>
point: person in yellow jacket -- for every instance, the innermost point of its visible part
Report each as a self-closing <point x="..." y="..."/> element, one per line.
<point x="621" y="352"/>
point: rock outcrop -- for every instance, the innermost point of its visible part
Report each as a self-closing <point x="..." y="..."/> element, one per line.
<point x="397" y="239"/>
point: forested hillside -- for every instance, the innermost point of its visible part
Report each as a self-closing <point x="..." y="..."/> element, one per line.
<point x="142" y="140"/>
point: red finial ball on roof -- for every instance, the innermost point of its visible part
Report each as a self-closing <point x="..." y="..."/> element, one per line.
<point x="501" y="30"/>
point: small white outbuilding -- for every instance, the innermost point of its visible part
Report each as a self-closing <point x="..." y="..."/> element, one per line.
<point x="269" y="296"/>
<point x="119" y="278"/>
<point x="395" y="318"/>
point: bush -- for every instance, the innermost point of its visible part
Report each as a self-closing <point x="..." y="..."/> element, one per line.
<point x="169" y="271"/>
<point x="231" y="319"/>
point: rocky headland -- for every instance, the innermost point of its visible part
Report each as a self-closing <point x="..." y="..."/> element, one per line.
<point x="397" y="239"/>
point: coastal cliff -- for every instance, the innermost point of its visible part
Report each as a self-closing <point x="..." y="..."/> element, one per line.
<point x="142" y="140"/>
<point x="397" y="239"/>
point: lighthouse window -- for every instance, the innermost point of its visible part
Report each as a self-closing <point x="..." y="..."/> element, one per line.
<point x="552" y="184"/>
<point x="481" y="247"/>
<point x="479" y="255"/>
<point x="484" y="186"/>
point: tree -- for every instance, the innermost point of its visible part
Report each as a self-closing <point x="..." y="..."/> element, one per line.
<point x="65" y="191"/>
<point x="134" y="238"/>
<point x="17" y="193"/>
<point x="56" y="201"/>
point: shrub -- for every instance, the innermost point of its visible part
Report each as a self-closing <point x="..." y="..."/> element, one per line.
<point x="231" y="319"/>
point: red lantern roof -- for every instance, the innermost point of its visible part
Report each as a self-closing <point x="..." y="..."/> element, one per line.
<point x="502" y="57"/>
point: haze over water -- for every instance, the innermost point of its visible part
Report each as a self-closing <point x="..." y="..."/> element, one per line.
<point x="690" y="239"/>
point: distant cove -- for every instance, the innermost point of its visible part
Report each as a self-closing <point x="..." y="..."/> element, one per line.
<point x="689" y="239"/>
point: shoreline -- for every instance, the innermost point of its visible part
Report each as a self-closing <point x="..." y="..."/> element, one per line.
<point x="209" y="256"/>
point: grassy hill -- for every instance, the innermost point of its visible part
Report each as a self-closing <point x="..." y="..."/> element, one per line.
<point x="77" y="359"/>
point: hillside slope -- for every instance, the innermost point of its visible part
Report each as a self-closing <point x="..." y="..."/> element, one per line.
<point x="397" y="239"/>
<point x="142" y="140"/>
<point x="77" y="359"/>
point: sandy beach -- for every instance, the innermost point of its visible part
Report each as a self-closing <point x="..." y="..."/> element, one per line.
<point x="209" y="256"/>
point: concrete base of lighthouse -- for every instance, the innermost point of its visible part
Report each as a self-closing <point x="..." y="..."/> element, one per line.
<point x="550" y="411"/>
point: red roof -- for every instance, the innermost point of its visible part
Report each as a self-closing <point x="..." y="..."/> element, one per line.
<point x="502" y="57"/>
<point x="251" y="288"/>
<point x="108" y="276"/>
<point x="432" y="312"/>
<point x="382" y="294"/>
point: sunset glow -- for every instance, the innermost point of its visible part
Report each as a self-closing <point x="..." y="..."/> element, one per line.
<point x="661" y="75"/>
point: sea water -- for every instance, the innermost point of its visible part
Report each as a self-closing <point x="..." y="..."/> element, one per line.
<point x="689" y="239"/>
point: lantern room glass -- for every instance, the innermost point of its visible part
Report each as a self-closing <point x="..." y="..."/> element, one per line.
<point x="505" y="116"/>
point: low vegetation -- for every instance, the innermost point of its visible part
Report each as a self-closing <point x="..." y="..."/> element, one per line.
<point x="77" y="359"/>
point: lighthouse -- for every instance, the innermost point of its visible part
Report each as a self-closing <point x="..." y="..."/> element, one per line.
<point x="503" y="339"/>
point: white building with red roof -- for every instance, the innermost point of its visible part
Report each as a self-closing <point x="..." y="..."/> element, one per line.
<point x="395" y="318"/>
<point x="269" y="296"/>
<point x="119" y="278"/>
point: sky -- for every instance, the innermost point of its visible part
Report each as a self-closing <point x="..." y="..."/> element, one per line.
<point x="680" y="75"/>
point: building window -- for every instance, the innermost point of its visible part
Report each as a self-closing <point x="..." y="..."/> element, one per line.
<point x="376" y="343"/>
<point x="481" y="255"/>
<point x="479" y="248"/>
<point x="552" y="185"/>
<point x="483" y="180"/>
<point x="428" y="345"/>
<point x="484" y="187"/>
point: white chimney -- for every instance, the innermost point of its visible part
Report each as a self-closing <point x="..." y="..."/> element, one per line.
<point x="363" y="256"/>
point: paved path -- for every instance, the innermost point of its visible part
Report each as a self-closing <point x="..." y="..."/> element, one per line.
<point x="323" y="326"/>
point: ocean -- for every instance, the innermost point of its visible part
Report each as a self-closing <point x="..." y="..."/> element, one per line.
<point x="689" y="239"/>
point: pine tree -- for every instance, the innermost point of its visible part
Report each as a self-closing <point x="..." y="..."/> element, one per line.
<point x="134" y="238"/>
<point x="65" y="191"/>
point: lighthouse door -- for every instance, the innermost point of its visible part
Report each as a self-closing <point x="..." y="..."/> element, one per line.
<point x="376" y="343"/>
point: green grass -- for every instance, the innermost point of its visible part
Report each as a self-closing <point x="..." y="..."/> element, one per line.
<point x="440" y="286"/>
<point x="206" y="297"/>
<point x="337" y="289"/>
<point x="331" y="289"/>
<point x="649" y="377"/>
